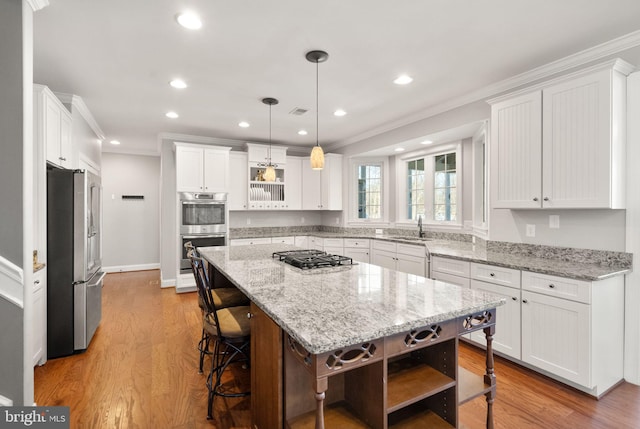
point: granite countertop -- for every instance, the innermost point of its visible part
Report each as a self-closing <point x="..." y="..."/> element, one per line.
<point x="551" y="266"/>
<point x="467" y="251"/>
<point x="329" y="308"/>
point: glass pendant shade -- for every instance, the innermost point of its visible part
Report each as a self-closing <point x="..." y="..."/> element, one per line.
<point x="317" y="158"/>
<point x="269" y="174"/>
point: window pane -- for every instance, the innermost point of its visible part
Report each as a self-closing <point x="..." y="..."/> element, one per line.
<point x="420" y="164"/>
<point x="369" y="191"/>
<point x="438" y="212"/>
<point x="452" y="179"/>
<point x="439" y="196"/>
<point x="440" y="162"/>
<point x="440" y="181"/>
<point x="451" y="161"/>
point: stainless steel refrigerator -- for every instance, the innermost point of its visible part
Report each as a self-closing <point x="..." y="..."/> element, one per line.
<point x="74" y="262"/>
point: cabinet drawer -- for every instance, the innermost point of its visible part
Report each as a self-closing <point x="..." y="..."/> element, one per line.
<point x="333" y="242"/>
<point x="389" y="246"/>
<point x="498" y="275"/>
<point x="249" y="241"/>
<point x="356" y="243"/>
<point x="575" y="290"/>
<point x="451" y="279"/>
<point x="450" y="266"/>
<point x="411" y="249"/>
<point x="283" y="240"/>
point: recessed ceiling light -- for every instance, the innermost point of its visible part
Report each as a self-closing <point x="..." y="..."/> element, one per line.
<point x="303" y="132"/>
<point x="178" y="83"/>
<point x="339" y="112"/>
<point x="172" y="115"/>
<point x="189" y="20"/>
<point x="399" y="149"/>
<point x="243" y="124"/>
<point x="115" y="142"/>
<point x="426" y="142"/>
<point x="403" y="80"/>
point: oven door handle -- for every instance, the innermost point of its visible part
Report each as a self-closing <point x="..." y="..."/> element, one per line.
<point x="189" y="237"/>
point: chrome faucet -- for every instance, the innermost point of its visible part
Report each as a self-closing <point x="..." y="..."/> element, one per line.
<point x="420" y="231"/>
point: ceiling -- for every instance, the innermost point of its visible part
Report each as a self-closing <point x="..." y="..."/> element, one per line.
<point x="119" y="56"/>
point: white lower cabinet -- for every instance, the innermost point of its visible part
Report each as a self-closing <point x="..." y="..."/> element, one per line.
<point x="555" y="336"/>
<point x="453" y="271"/>
<point x="357" y="249"/>
<point x="283" y="240"/>
<point x="301" y="241"/>
<point x="507" y="337"/>
<point x="39" y="316"/>
<point x="402" y="257"/>
<point x="568" y="329"/>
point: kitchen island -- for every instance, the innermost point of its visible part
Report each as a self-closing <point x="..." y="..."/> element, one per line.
<point x="355" y="346"/>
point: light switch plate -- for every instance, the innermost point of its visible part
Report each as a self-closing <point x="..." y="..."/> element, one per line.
<point x="554" y="221"/>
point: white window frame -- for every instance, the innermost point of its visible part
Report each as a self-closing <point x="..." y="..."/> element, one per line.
<point x="401" y="180"/>
<point x="354" y="164"/>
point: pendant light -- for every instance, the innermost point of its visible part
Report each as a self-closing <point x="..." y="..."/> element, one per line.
<point x="317" y="155"/>
<point x="270" y="171"/>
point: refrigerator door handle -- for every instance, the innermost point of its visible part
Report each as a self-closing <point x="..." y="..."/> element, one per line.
<point x="97" y="279"/>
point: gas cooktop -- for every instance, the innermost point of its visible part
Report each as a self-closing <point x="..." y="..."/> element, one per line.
<point x="309" y="258"/>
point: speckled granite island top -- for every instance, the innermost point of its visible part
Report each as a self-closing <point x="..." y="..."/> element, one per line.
<point x="329" y="308"/>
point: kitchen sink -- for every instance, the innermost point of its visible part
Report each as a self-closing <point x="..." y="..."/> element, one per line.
<point x="404" y="237"/>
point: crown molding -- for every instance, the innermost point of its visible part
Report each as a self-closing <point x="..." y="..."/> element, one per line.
<point x="77" y="103"/>
<point x="36" y="5"/>
<point x="565" y="64"/>
<point x="116" y="150"/>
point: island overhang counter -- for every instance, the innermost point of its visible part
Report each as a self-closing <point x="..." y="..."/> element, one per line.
<point x="347" y="340"/>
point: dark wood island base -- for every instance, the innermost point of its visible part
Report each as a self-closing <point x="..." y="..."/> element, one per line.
<point x="407" y="380"/>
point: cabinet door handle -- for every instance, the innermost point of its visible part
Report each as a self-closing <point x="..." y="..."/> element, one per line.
<point x="249" y="315"/>
<point x="525" y="301"/>
<point x="535" y="198"/>
<point x="492" y="274"/>
<point x="514" y="298"/>
<point x="552" y="285"/>
<point x="37" y="282"/>
<point x="546" y="198"/>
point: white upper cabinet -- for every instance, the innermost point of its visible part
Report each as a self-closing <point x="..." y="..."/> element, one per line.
<point x="322" y="190"/>
<point x="293" y="191"/>
<point x="202" y="168"/>
<point x="52" y="126"/>
<point x="562" y="145"/>
<point x="237" y="198"/>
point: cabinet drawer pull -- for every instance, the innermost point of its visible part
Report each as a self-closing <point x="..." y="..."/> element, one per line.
<point x="525" y="301"/>
<point x="535" y="198"/>
<point x="37" y="282"/>
<point x="249" y="315"/>
<point x="492" y="274"/>
<point x="514" y="298"/>
<point x="552" y="285"/>
<point x="546" y="198"/>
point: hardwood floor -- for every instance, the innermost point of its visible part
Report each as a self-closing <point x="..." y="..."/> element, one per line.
<point x="141" y="371"/>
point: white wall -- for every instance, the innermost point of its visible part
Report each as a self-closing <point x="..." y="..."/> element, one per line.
<point x="131" y="228"/>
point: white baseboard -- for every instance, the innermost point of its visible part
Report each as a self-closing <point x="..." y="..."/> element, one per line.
<point x="168" y="283"/>
<point x="125" y="268"/>
<point x="184" y="289"/>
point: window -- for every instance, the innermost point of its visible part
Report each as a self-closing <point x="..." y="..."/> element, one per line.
<point x="445" y="190"/>
<point x="369" y="193"/>
<point x="415" y="189"/>
<point x="430" y="189"/>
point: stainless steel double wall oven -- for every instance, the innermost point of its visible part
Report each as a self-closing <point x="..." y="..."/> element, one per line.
<point x="203" y="222"/>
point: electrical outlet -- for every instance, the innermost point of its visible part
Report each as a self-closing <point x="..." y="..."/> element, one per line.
<point x="113" y="196"/>
<point x="531" y="230"/>
<point x="378" y="231"/>
<point x="248" y="221"/>
<point x="554" y="221"/>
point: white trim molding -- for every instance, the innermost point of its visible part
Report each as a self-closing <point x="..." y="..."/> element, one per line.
<point x="36" y="5"/>
<point x="127" y="268"/>
<point x="84" y="111"/>
<point x="562" y="65"/>
<point x="11" y="282"/>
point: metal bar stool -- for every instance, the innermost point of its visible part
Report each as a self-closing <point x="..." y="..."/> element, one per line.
<point x="230" y="330"/>
<point x="223" y="297"/>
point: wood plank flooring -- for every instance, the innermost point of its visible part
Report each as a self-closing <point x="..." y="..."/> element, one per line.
<point x="141" y="371"/>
